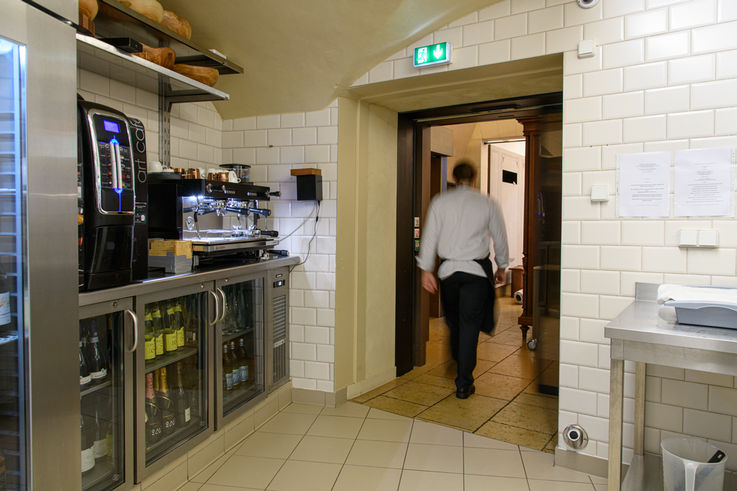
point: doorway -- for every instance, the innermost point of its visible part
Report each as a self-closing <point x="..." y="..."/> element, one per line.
<point x="421" y="358"/>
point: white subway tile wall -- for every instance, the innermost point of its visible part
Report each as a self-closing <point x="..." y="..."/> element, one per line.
<point x="663" y="78"/>
<point x="274" y="145"/>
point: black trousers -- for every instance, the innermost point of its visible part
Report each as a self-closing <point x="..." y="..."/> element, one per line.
<point x="465" y="298"/>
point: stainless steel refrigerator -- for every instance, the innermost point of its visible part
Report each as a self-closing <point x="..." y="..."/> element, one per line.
<point x="39" y="403"/>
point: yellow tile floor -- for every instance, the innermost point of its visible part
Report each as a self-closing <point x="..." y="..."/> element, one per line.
<point x="506" y="406"/>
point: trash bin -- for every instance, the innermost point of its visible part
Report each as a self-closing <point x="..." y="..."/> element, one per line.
<point x="686" y="465"/>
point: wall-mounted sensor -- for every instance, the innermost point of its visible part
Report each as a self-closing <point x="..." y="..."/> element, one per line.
<point x="599" y="192"/>
<point x="587" y="4"/>
<point x="575" y="437"/>
<point x="586" y="48"/>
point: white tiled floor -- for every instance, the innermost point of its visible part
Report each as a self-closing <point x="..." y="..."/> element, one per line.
<point x="357" y="448"/>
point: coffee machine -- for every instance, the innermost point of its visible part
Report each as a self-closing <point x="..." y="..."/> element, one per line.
<point x="197" y="210"/>
<point x="107" y="197"/>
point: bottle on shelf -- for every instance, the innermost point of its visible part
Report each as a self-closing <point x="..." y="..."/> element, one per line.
<point x="96" y="362"/>
<point x="227" y="373"/>
<point x="5" y="311"/>
<point x="170" y="329"/>
<point x="88" y="443"/>
<point x="244" y="360"/>
<point x="149" y="337"/>
<point x="154" y="427"/>
<point x="191" y="320"/>
<point x="166" y="404"/>
<point x="100" y="430"/>
<point x="179" y="316"/>
<point x="84" y="372"/>
<point x="235" y="366"/>
<point x="181" y="401"/>
<point x="158" y="329"/>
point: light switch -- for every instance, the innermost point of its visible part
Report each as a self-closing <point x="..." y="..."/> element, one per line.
<point x="586" y="48"/>
<point x="688" y="238"/>
<point x="708" y="238"/>
<point x="599" y="192"/>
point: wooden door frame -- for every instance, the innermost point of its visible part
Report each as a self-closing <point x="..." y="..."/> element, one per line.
<point x="413" y="131"/>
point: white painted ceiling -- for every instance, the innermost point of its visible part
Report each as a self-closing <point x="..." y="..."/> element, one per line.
<point x="299" y="55"/>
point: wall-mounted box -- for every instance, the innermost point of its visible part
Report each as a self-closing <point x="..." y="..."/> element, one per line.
<point x="309" y="184"/>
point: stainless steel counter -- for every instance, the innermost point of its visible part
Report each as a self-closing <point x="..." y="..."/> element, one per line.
<point x="646" y="332"/>
<point x="174" y="281"/>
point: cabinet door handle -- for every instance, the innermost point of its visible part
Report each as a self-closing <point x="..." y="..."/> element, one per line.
<point x="217" y="308"/>
<point x="225" y="304"/>
<point x="135" y="330"/>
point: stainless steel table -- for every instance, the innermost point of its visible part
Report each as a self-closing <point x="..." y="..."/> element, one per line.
<point x="642" y="333"/>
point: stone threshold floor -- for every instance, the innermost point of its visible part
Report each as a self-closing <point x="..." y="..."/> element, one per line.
<point x="357" y="448"/>
<point x="506" y="406"/>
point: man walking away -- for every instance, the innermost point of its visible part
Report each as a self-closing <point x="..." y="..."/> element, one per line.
<point x="457" y="228"/>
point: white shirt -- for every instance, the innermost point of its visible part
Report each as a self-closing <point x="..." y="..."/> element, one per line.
<point x="457" y="228"/>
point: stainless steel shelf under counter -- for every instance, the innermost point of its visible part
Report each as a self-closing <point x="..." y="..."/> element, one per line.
<point x="647" y="332"/>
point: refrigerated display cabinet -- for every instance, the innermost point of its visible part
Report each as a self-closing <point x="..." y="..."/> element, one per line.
<point x="173" y="397"/>
<point x="107" y="342"/>
<point x="174" y="385"/>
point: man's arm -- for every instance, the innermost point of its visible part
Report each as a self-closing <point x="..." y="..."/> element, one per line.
<point x="428" y="248"/>
<point x="498" y="231"/>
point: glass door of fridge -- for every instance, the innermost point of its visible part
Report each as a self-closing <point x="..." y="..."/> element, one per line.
<point x="173" y="404"/>
<point x="13" y="345"/>
<point x="106" y="343"/>
<point x="240" y="343"/>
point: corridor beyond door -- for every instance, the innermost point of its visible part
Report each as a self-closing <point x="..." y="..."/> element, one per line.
<point x="506" y="406"/>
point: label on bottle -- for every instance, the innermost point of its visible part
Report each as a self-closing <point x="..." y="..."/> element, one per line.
<point x="99" y="375"/>
<point x="88" y="459"/>
<point x="244" y="373"/>
<point x="228" y="381"/>
<point x="4" y="308"/>
<point x="170" y="423"/>
<point x="159" y="345"/>
<point x="154" y="433"/>
<point x="236" y="376"/>
<point x="84" y="381"/>
<point x="187" y="415"/>
<point x="180" y="337"/>
<point x="171" y="341"/>
<point x="99" y="448"/>
<point x="150" y="349"/>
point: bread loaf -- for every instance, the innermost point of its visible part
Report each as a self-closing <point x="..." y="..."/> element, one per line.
<point x="203" y="74"/>
<point x="161" y="56"/>
<point x="177" y="24"/>
<point x="148" y="8"/>
<point x="88" y="8"/>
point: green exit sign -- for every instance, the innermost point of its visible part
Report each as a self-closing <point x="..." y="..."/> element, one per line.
<point x="434" y="54"/>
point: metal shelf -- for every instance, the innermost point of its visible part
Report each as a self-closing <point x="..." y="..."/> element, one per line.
<point x="108" y="24"/>
<point x="95" y="388"/>
<point x="168" y="359"/>
<point x="106" y="60"/>
<point x="103" y="471"/>
<point x="227" y="337"/>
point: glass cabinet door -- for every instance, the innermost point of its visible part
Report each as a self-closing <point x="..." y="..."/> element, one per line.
<point x="241" y="343"/>
<point x="104" y="400"/>
<point x="13" y="450"/>
<point x="173" y="387"/>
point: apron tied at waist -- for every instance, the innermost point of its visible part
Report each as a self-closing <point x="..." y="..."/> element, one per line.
<point x="491" y="315"/>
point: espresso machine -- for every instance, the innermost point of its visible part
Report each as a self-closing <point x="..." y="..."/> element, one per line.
<point x="106" y="194"/>
<point x="197" y="210"/>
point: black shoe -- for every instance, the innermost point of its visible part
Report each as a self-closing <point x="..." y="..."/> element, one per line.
<point x="466" y="391"/>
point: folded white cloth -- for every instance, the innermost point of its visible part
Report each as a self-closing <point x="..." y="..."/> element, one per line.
<point x="706" y="294"/>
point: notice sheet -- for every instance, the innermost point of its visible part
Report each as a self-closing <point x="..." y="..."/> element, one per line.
<point x="643" y="184"/>
<point x="704" y="182"/>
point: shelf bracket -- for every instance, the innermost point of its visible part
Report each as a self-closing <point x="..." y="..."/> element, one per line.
<point x="164" y="124"/>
